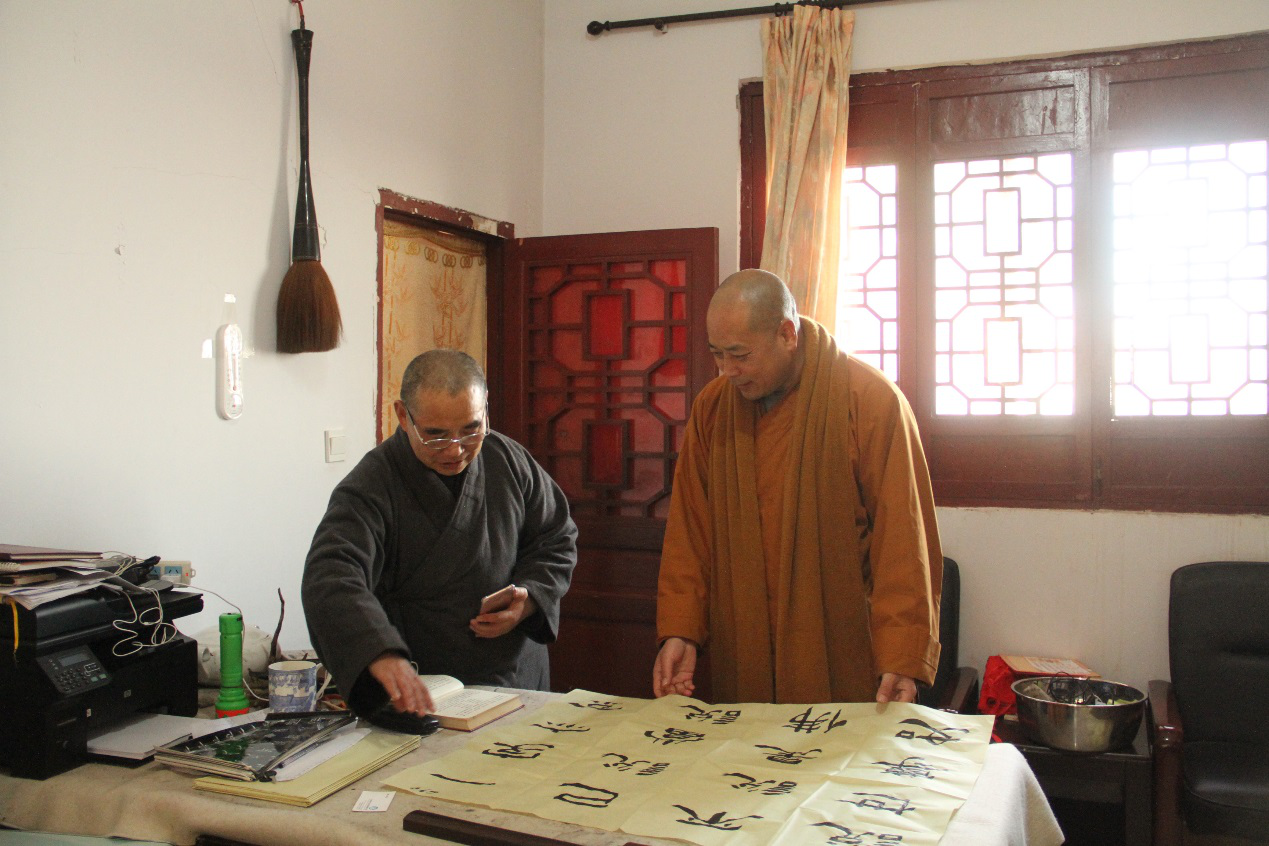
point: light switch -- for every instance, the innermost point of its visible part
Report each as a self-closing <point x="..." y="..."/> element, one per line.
<point x="335" y="445"/>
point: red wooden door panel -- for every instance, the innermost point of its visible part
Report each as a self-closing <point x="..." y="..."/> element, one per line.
<point x="603" y="353"/>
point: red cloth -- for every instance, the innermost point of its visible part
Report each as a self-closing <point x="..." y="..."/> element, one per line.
<point x="996" y="696"/>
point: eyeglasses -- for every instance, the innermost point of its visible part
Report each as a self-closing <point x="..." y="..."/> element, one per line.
<point x="439" y="444"/>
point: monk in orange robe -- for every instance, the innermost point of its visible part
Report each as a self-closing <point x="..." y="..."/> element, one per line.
<point x="801" y="547"/>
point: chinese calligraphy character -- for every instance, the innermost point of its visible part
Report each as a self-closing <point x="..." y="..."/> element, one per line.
<point x="717" y="716"/>
<point x="938" y="734"/>
<point x="877" y="802"/>
<point x="625" y="764"/>
<point x="912" y="766"/>
<point x="805" y="722"/>
<point x="768" y="787"/>
<point x="601" y="799"/>
<point x="672" y="735"/>
<point x="598" y="705"/>
<point x="784" y="756"/>
<point x="523" y="751"/>
<point x="718" y="821"/>
<point x="464" y="781"/>
<point x="557" y="728"/>
<point x="853" y="838"/>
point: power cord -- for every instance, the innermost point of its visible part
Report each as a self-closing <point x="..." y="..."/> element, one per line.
<point x="160" y="630"/>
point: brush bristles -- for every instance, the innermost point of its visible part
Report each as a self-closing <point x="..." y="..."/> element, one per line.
<point x="308" y="313"/>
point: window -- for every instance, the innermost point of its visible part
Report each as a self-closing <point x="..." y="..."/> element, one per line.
<point x="1004" y="286"/>
<point x="1189" y="281"/>
<point x="1063" y="263"/>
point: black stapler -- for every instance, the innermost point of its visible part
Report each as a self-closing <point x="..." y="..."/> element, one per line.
<point x="387" y="717"/>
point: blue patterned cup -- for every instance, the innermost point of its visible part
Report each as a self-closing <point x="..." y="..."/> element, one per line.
<point x="292" y="686"/>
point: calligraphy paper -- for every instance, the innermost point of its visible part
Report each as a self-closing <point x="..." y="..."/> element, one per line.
<point x="741" y="775"/>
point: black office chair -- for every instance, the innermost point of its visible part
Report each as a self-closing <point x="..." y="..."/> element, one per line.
<point x="955" y="688"/>
<point x="1210" y="724"/>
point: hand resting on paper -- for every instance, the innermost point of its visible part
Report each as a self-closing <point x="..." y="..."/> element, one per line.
<point x="896" y="688"/>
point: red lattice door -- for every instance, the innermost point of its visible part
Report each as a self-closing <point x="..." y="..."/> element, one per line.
<point x="604" y="352"/>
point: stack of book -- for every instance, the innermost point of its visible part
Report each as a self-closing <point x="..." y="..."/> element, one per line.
<point x="34" y="575"/>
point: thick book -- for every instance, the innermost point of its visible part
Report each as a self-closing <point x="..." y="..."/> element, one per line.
<point x="27" y="578"/>
<point x="21" y="559"/>
<point x="15" y="552"/>
<point x="254" y="751"/>
<point x="467" y="708"/>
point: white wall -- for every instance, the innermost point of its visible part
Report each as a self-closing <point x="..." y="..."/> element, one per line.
<point x="147" y="167"/>
<point x="641" y="132"/>
<point x="148" y="163"/>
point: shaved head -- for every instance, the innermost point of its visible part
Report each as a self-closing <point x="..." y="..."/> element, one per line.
<point x="764" y="296"/>
<point x="441" y="371"/>
<point x="752" y="327"/>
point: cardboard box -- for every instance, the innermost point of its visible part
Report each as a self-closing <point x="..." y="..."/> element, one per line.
<point x="1032" y="666"/>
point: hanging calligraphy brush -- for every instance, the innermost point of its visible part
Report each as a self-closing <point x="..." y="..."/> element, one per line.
<point x="308" y="313"/>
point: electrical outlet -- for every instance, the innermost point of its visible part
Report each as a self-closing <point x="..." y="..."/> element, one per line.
<point x="176" y="572"/>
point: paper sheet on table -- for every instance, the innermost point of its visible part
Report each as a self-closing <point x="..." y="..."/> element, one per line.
<point x="135" y="737"/>
<point x="319" y="754"/>
<point x="722" y="775"/>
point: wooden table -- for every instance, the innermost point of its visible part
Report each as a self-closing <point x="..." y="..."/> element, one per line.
<point x="1121" y="777"/>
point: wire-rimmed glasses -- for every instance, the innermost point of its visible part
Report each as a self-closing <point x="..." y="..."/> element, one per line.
<point x="440" y="444"/>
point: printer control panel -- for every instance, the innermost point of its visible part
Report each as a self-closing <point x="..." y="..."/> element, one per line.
<point x="74" y="671"/>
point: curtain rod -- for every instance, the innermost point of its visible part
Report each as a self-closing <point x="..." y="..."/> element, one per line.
<point x="777" y="9"/>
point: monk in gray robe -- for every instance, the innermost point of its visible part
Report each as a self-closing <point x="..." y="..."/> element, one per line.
<point x="441" y="514"/>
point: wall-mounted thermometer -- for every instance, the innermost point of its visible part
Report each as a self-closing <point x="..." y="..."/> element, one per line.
<point x="229" y="371"/>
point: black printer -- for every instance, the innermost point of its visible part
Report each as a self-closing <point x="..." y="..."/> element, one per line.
<point x="78" y="664"/>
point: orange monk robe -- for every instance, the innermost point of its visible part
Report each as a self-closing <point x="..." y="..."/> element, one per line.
<point x="801" y="549"/>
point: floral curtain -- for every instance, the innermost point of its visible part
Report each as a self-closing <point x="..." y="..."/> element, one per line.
<point x="806" y="79"/>
<point x="433" y="297"/>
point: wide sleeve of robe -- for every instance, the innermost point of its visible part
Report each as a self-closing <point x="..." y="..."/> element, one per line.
<point x="901" y="542"/>
<point x="687" y="553"/>
<point x="547" y="550"/>
<point x="347" y="623"/>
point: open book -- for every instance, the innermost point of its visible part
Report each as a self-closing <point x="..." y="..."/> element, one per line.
<point x="466" y="708"/>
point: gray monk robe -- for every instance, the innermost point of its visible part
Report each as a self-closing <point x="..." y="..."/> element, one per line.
<point x="401" y="563"/>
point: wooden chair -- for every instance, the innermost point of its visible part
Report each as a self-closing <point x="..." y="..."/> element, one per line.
<point x="1210" y="724"/>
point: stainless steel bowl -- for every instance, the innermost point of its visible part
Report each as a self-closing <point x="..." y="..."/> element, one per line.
<point x="1078" y="715"/>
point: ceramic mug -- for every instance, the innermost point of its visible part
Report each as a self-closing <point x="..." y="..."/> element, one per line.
<point x="293" y="686"/>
